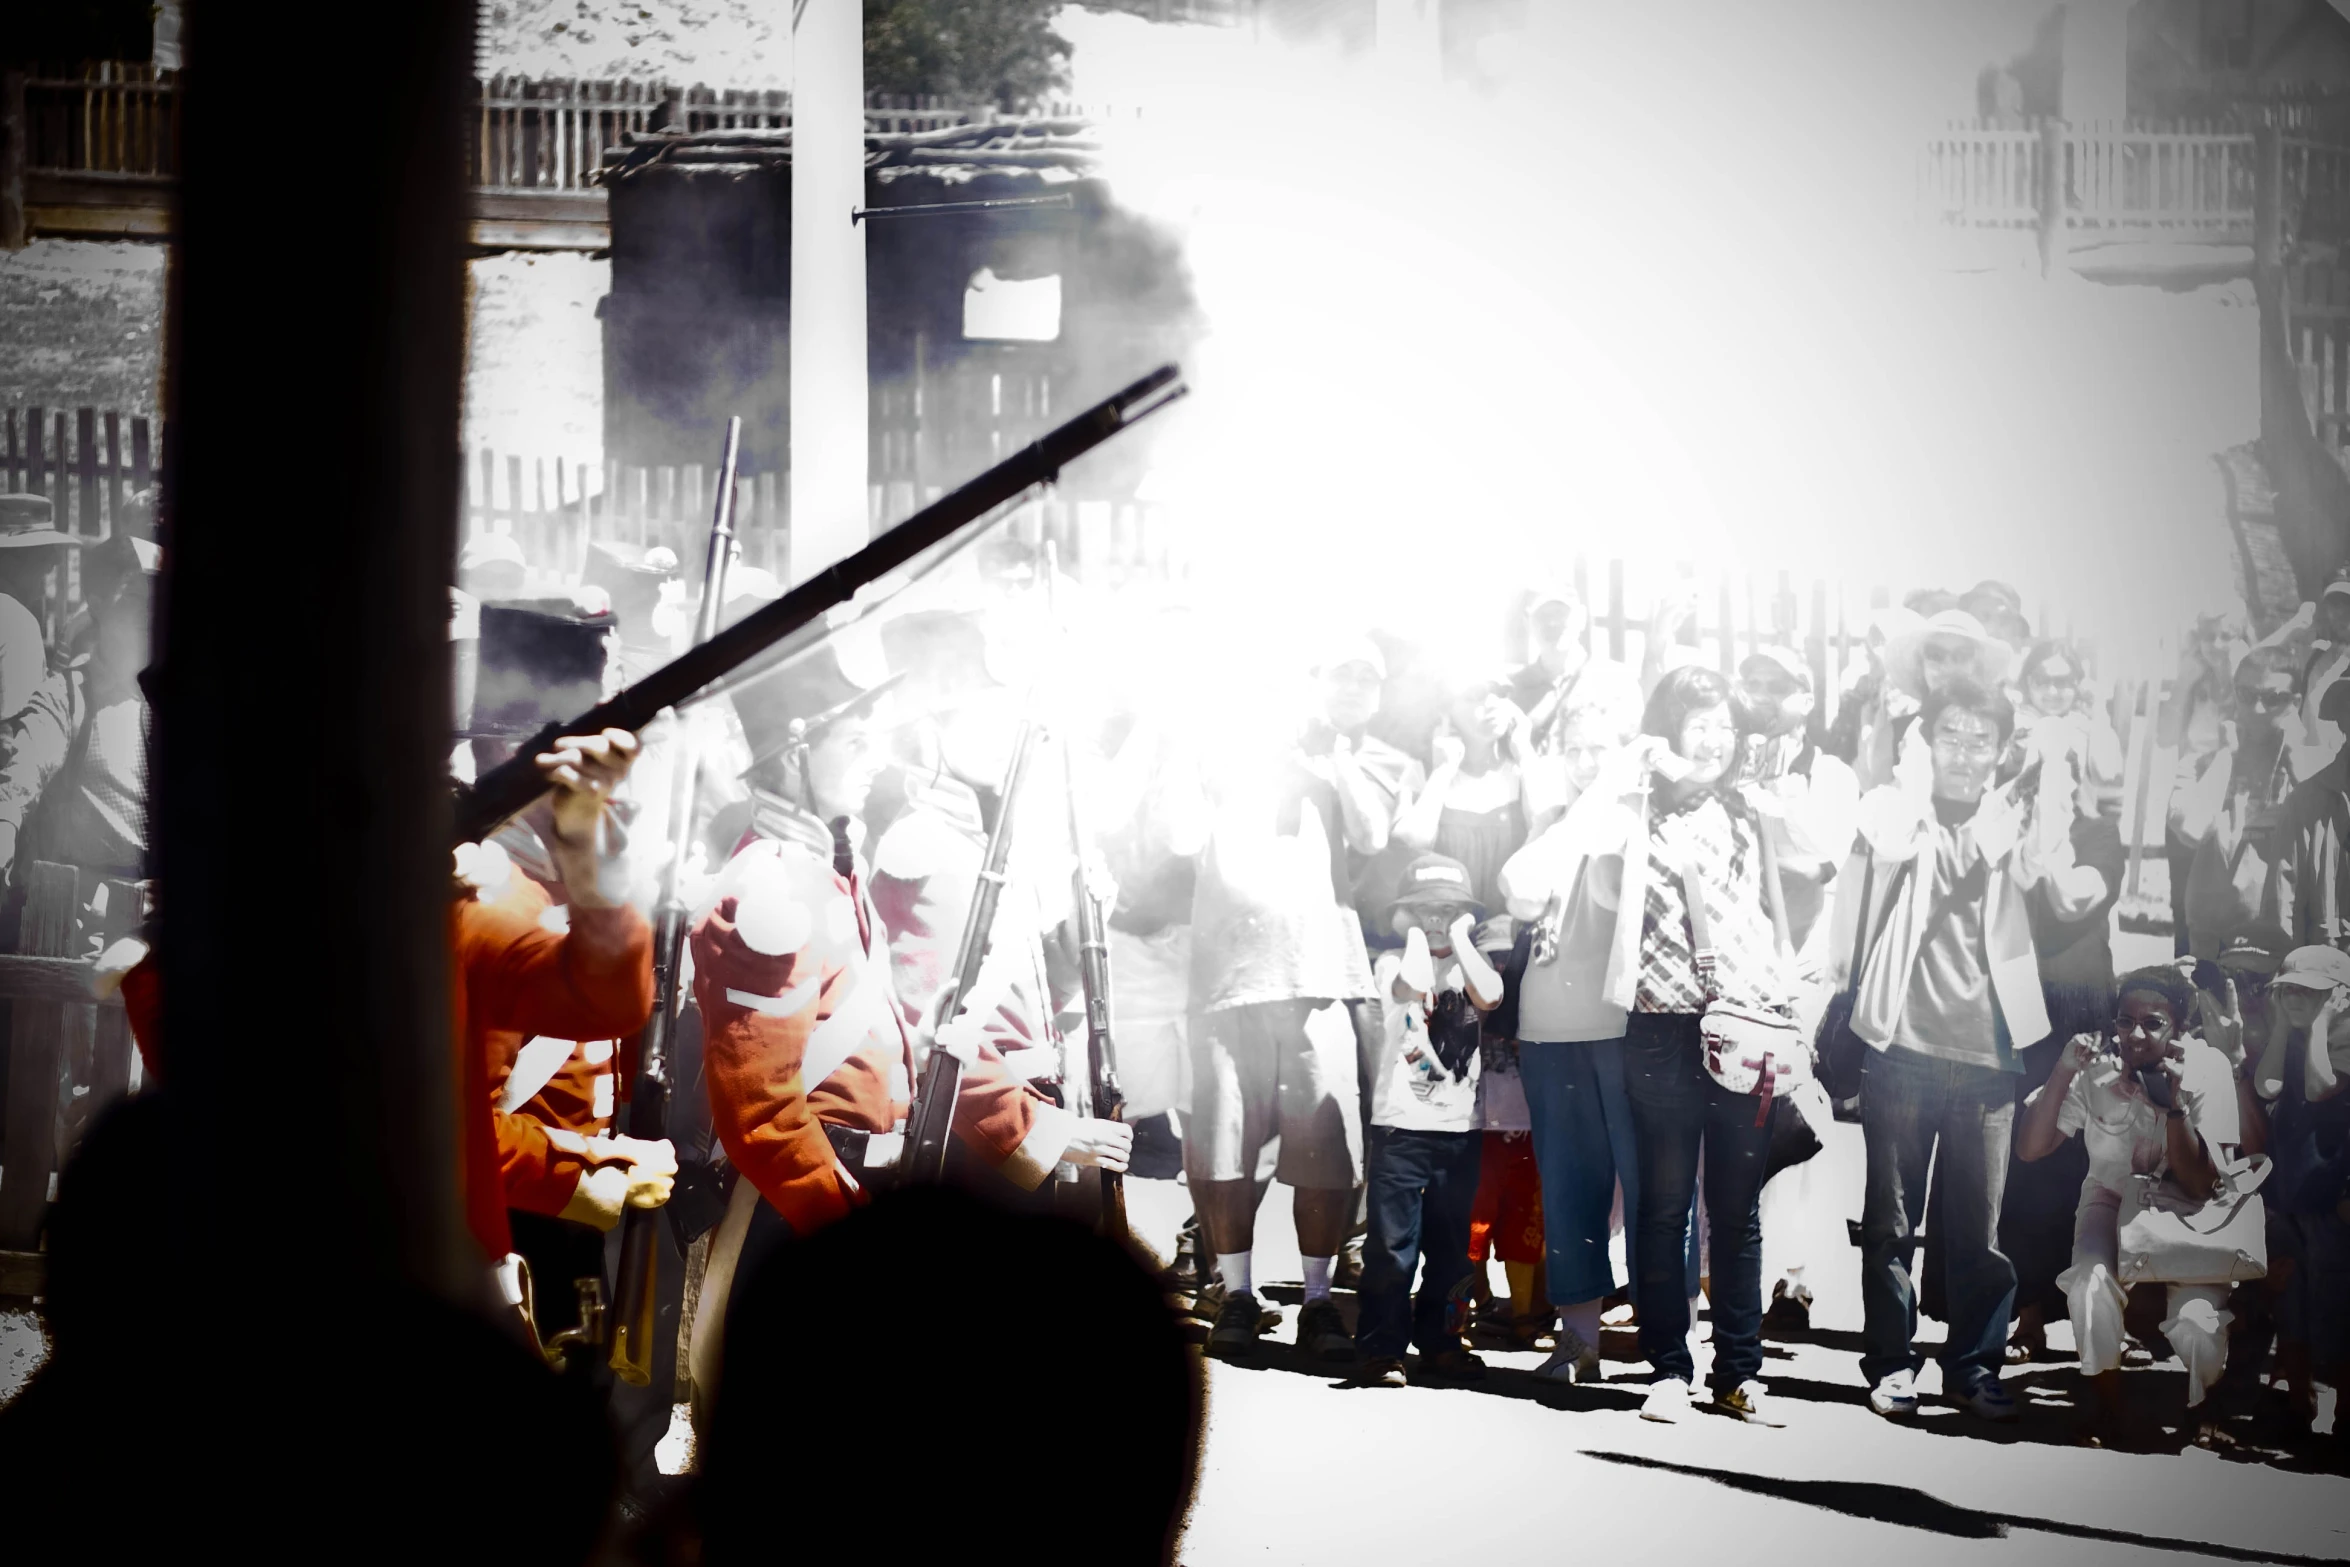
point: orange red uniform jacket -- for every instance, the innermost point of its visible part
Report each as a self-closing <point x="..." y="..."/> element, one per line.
<point x="516" y="975"/>
<point x="538" y="1164"/>
<point x="801" y="1030"/>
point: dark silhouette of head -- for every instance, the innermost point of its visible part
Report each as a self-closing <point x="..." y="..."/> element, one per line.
<point x="894" y="1385"/>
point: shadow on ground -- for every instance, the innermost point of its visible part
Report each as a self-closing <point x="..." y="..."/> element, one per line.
<point x="2053" y="1398"/>
<point x="1914" y="1509"/>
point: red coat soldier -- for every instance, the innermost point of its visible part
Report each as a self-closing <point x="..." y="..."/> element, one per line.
<point x="806" y="1054"/>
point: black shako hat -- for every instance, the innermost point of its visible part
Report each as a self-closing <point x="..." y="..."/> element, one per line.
<point x="799" y="701"/>
<point x="541" y="662"/>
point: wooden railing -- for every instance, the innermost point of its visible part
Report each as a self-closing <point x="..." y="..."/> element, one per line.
<point x="2198" y="182"/>
<point x="530" y="134"/>
<point x="115" y="117"/>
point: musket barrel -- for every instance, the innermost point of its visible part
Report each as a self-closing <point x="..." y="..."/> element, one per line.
<point x="512" y="785"/>
<point x="637" y="1300"/>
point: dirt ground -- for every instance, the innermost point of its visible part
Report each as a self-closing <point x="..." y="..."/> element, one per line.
<point x="81" y="325"/>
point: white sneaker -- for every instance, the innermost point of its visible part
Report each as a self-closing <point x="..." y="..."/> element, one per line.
<point x="1668" y="1401"/>
<point x="1746" y="1402"/>
<point x="1896" y="1397"/>
<point x="1572" y="1361"/>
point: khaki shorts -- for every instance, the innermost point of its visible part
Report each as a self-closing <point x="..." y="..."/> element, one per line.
<point x="1287" y="1069"/>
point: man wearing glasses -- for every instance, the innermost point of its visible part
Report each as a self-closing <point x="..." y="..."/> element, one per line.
<point x="2228" y="805"/>
<point x="1948" y="990"/>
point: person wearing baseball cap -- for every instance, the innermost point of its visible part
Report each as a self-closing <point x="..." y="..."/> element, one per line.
<point x="1425" y="1154"/>
<point x="2310" y="983"/>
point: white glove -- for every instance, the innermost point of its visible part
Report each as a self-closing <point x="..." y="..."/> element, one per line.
<point x="648" y="1166"/>
<point x="1106" y="1145"/>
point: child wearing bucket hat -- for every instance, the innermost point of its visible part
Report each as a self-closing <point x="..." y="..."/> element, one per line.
<point x="1424" y="1154"/>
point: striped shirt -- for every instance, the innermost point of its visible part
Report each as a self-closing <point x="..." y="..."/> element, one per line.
<point x="1720" y="842"/>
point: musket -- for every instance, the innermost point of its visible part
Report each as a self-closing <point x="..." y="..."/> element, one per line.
<point x="636" y="1291"/>
<point x="1093" y="955"/>
<point x="511" y="787"/>
<point x="932" y="1115"/>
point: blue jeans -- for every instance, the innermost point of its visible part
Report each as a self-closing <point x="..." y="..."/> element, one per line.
<point x="1908" y="1103"/>
<point x="1583" y="1146"/>
<point x="1421" y="1188"/>
<point x="1677" y="1111"/>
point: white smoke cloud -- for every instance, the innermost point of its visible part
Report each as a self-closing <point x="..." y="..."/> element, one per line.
<point x="1654" y="296"/>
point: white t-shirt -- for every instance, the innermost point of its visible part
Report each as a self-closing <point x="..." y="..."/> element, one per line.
<point x="2124" y="1132"/>
<point x="1405" y="1095"/>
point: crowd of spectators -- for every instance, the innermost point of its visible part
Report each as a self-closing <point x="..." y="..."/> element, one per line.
<point x="1482" y="959"/>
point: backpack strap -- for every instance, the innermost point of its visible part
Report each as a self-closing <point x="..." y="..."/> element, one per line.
<point x="1701" y="933"/>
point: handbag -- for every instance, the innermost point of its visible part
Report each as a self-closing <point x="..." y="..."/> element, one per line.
<point x="2168" y="1237"/>
<point x="1795" y="1129"/>
<point x="1746" y="1049"/>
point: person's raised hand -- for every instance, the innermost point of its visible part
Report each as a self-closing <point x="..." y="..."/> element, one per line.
<point x="583" y="771"/>
<point x="2079" y="1052"/>
<point x="1106" y="1145"/>
<point x="1446" y="748"/>
<point x="1417" y="973"/>
<point x="1913" y="769"/>
<point x="2223" y="1022"/>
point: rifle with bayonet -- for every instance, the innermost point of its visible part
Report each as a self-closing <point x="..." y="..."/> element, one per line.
<point x="510" y="788"/>
<point x="1108" y="1100"/>
<point x="932" y="1116"/>
<point x="636" y="1292"/>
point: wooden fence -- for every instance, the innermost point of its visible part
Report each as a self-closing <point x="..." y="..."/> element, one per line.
<point x="87" y="463"/>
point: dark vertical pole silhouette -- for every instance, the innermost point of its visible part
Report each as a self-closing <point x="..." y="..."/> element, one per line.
<point x="303" y="731"/>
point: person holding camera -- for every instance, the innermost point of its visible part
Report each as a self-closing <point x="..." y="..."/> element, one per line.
<point x="2145" y="1097"/>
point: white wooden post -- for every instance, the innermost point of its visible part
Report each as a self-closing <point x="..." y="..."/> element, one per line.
<point x="828" y="393"/>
